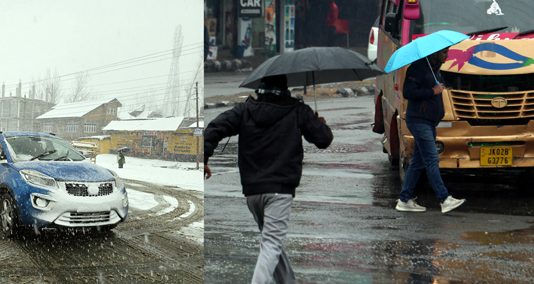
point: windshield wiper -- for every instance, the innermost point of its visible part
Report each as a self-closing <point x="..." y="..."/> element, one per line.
<point x="43" y="154"/>
<point x="62" y="157"/>
<point x="525" y="33"/>
<point x="487" y="31"/>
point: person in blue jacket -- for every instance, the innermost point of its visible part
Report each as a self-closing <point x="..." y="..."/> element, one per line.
<point x="423" y="90"/>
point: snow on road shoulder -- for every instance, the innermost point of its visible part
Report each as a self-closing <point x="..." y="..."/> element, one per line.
<point x="194" y="231"/>
<point x="167" y="173"/>
<point x="141" y="200"/>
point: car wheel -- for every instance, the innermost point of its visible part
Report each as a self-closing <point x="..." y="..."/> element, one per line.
<point x="8" y="215"/>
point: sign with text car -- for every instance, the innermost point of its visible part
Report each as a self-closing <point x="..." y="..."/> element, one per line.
<point x="250" y="8"/>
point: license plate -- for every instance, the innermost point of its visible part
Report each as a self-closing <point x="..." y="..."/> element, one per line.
<point x="496" y="156"/>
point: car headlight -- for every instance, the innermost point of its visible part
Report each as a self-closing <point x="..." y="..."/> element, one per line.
<point x="118" y="181"/>
<point x="38" y="179"/>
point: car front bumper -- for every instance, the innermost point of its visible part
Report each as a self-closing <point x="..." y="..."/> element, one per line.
<point x="44" y="208"/>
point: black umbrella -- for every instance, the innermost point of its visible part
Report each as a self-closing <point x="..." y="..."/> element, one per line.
<point x="315" y="65"/>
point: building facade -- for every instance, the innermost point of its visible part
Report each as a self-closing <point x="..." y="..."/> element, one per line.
<point x="19" y="113"/>
<point x="241" y="28"/>
<point x="171" y="138"/>
<point x="73" y="120"/>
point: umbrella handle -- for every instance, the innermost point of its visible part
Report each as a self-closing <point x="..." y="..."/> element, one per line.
<point x="429" y="66"/>
<point x="315" y="97"/>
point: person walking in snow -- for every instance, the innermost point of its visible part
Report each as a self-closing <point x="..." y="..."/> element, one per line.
<point x="120" y="159"/>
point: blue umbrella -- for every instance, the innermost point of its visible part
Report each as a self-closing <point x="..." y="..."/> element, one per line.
<point x="423" y="47"/>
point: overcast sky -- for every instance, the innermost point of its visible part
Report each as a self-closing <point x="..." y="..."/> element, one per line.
<point x="68" y="36"/>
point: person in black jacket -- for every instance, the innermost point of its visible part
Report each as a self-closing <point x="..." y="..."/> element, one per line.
<point x="270" y="155"/>
<point x="422" y="89"/>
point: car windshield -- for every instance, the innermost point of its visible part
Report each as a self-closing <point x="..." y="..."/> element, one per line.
<point x="28" y="148"/>
<point x="476" y="15"/>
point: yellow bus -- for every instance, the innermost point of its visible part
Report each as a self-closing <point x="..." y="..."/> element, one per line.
<point x="489" y="78"/>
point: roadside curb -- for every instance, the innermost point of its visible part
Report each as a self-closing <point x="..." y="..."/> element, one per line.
<point x="339" y="93"/>
<point x="219" y="104"/>
<point x="228" y="65"/>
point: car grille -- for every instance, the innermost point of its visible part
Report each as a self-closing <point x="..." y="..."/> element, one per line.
<point x="478" y="105"/>
<point x="87" y="219"/>
<point x="80" y="189"/>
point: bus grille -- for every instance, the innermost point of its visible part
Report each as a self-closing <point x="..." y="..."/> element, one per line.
<point x="478" y="105"/>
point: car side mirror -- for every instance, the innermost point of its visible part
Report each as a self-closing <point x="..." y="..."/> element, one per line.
<point x="391" y="24"/>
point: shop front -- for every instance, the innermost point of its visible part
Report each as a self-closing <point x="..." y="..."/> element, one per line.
<point x="244" y="28"/>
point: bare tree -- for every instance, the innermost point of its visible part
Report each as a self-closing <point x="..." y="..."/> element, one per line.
<point x="52" y="86"/>
<point x="80" y="91"/>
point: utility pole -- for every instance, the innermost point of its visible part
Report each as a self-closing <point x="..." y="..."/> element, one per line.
<point x="173" y="97"/>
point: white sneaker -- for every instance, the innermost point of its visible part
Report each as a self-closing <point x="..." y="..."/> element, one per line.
<point x="451" y="203"/>
<point x="409" y="206"/>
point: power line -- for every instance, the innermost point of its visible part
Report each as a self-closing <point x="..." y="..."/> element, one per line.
<point x="193" y="46"/>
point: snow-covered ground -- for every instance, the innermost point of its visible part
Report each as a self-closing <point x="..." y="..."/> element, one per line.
<point x="178" y="174"/>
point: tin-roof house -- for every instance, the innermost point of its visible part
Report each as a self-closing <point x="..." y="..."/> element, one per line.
<point x="169" y="138"/>
<point x="78" y="119"/>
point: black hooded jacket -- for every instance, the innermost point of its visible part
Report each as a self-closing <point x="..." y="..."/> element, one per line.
<point x="270" y="133"/>
<point x="423" y="105"/>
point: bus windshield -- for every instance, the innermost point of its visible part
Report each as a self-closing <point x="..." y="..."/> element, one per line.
<point x="469" y="16"/>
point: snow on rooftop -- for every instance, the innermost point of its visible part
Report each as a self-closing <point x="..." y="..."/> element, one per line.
<point x="76" y="109"/>
<point x="124" y="114"/>
<point x="99" y="137"/>
<point x="159" y="124"/>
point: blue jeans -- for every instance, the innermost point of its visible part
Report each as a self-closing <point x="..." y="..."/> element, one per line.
<point x="425" y="158"/>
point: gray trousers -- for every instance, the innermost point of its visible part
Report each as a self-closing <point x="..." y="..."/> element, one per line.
<point x="271" y="212"/>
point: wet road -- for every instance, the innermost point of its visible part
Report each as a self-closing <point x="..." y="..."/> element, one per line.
<point x="343" y="227"/>
<point x="157" y="245"/>
<point x="223" y="83"/>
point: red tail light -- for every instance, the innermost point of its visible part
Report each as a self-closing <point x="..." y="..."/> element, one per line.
<point x="372" y="37"/>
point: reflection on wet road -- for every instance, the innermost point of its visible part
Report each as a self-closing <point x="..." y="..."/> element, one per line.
<point x="344" y="229"/>
<point x="155" y="245"/>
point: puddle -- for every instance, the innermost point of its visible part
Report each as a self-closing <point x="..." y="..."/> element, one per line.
<point x="343" y="148"/>
<point x="525" y="236"/>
